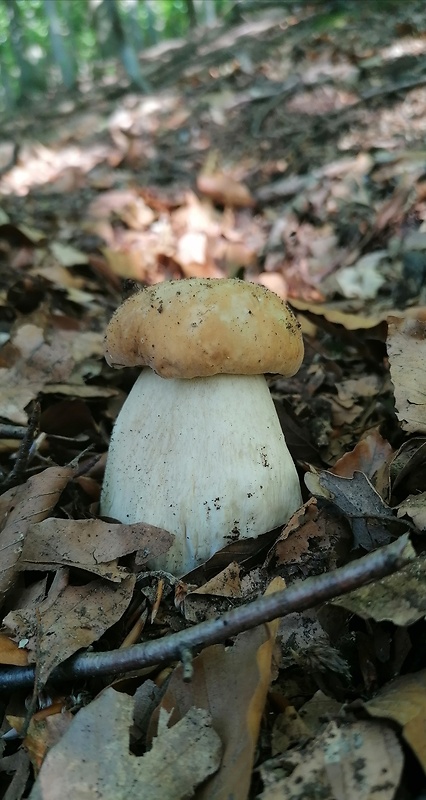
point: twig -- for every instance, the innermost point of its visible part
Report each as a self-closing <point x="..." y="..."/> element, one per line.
<point x="12" y="431"/>
<point x="299" y="597"/>
<point x="24" y="451"/>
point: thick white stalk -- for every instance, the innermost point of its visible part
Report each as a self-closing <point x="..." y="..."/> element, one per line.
<point x="204" y="458"/>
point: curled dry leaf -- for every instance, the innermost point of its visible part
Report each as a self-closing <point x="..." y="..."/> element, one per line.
<point x="22" y="507"/>
<point x="406" y="345"/>
<point x="201" y="603"/>
<point x="91" y="544"/>
<point x="70" y="618"/>
<point x="339" y="316"/>
<point x="371" y="456"/>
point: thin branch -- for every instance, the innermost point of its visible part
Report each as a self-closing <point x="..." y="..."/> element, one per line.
<point x="12" y="431"/>
<point x="24" y="451"/>
<point x="298" y="597"/>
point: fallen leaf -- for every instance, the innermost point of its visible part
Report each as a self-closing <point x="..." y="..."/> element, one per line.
<point x="406" y="345"/>
<point x="31" y="502"/>
<point x="313" y="541"/>
<point x="40" y="359"/>
<point x="224" y="189"/>
<point x="93" y="759"/>
<point x="414" y="507"/>
<point x="288" y="730"/>
<point x="91" y="544"/>
<point x="358" y="501"/>
<point x="11" y="653"/>
<point x="404" y="701"/>
<point x="371" y="456"/>
<point x="338" y="314"/>
<point x="357" y="761"/>
<point x="231" y="684"/>
<point x="317" y="711"/>
<point x="44" y="733"/>
<point x="396" y="598"/>
<point x="202" y="603"/>
<point x="70" y="618"/>
<point x="19" y="765"/>
<point x="363" y="279"/>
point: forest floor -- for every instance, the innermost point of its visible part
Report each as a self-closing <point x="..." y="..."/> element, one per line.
<point x="288" y="150"/>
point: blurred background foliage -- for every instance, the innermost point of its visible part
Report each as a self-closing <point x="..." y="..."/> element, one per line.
<point x="45" y="44"/>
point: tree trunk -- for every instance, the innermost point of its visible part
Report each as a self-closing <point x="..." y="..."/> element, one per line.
<point x="60" y="51"/>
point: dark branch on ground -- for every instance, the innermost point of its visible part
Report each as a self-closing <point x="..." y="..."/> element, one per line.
<point x="299" y="597"/>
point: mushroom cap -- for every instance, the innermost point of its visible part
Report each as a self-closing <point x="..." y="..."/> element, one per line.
<point x="198" y="327"/>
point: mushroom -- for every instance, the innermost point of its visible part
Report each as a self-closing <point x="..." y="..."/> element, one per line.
<point x="197" y="447"/>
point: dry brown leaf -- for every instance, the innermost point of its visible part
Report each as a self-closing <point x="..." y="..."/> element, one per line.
<point x="404" y="701"/>
<point x="71" y="617"/>
<point x="23" y="506"/>
<point x="38" y="359"/>
<point x="231" y="684"/>
<point x="317" y="711"/>
<point x="288" y="730"/>
<point x="338" y="314"/>
<point x="312" y="540"/>
<point x="224" y="189"/>
<point x="357" y="499"/>
<point x="11" y="653"/>
<point x="201" y="603"/>
<point x="91" y="544"/>
<point x="359" y="761"/>
<point x="406" y="345"/>
<point x="225" y="584"/>
<point x="43" y="733"/>
<point x="396" y="598"/>
<point x="342" y="415"/>
<point x="371" y="456"/>
<point x="93" y="759"/>
<point x="414" y="507"/>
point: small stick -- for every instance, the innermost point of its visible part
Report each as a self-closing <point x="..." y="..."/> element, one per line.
<point x="12" y="431"/>
<point x="23" y="455"/>
<point x="298" y="597"/>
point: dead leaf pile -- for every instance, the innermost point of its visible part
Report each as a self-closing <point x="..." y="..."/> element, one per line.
<point x="285" y="149"/>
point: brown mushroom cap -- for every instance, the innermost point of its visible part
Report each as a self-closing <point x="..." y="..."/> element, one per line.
<point x="199" y="327"/>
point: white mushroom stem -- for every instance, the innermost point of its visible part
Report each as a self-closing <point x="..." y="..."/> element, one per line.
<point x="204" y="458"/>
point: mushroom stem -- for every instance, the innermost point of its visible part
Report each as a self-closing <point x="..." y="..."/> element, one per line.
<point x="204" y="458"/>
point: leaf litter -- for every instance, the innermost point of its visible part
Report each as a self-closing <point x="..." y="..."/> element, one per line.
<point x="297" y="161"/>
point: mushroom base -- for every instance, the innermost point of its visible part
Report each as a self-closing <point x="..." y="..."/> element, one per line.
<point x="205" y="459"/>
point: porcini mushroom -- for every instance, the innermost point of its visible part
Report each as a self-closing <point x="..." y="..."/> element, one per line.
<point x="197" y="447"/>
